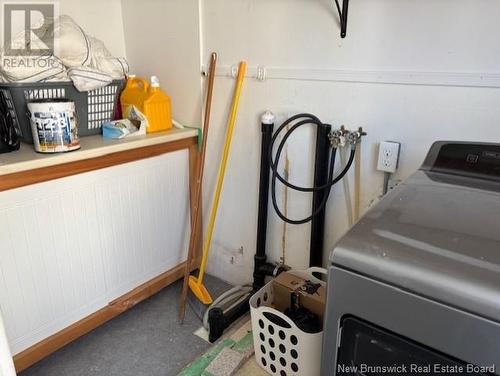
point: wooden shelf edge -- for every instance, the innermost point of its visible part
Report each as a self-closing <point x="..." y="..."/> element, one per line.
<point x="39" y="175"/>
<point x="44" y="348"/>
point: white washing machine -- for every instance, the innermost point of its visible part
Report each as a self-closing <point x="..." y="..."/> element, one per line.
<point x="414" y="287"/>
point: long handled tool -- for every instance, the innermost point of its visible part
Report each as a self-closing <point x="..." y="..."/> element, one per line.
<point x="196" y="283"/>
<point x="195" y="230"/>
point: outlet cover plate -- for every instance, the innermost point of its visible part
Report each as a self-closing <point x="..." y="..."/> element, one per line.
<point x="388" y="156"/>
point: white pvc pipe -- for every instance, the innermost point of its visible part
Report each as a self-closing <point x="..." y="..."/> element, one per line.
<point x="6" y="363"/>
<point x="347" y="190"/>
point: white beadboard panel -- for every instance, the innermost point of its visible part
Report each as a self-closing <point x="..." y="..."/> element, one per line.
<point x="6" y="363"/>
<point x="70" y="246"/>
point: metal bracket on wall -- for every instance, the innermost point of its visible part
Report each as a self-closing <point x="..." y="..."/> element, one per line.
<point x="343" y="16"/>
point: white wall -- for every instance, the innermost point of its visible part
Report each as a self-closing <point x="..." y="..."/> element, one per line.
<point x="101" y="19"/>
<point x="437" y="35"/>
<point x="392" y="36"/>
<point x="162" y="38"/>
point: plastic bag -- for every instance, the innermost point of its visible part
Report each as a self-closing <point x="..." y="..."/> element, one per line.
<point x="134" y="124"/>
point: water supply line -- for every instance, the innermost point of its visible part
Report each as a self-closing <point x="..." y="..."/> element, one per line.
<point x="328" y="142"/>
<point x="339" y="138"/>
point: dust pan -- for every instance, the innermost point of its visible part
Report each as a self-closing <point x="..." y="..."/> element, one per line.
<point x="199" y="290"/>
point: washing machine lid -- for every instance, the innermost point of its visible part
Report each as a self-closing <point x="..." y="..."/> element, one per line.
<point x="437" y="234"/>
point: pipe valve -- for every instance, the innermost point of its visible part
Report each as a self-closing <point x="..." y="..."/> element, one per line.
<point x="342" y="137"/>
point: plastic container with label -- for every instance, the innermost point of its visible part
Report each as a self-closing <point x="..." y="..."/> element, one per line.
<point x="157" y="108"/>
<point x="54" y="125"/>
<point x="153" y="102"/>
<point x="134" y="94"/>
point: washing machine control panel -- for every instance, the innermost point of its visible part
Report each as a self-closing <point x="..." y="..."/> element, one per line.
<point x="476" y="160"/>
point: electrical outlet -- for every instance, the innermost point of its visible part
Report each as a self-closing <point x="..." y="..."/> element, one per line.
<point x="388" y="156"/>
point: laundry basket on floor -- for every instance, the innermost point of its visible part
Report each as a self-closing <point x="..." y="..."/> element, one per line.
<point x="281" y="348"/>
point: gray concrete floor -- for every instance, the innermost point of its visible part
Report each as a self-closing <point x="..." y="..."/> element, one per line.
<point x="144" y="341"/>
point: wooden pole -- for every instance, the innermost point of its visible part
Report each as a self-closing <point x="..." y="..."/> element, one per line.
<point x="195" y="230"/>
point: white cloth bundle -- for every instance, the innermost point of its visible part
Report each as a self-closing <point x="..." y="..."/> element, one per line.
<point x="77" y="57"/>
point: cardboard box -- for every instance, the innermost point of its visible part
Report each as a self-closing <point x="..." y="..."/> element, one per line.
<point x="311" y="295"/>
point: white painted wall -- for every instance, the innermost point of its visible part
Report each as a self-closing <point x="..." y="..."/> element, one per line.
<point x="395" y="36"/>
<point x="162" y="38"/>
<point x="101" y="19"/>
<point x="70" y="246"/>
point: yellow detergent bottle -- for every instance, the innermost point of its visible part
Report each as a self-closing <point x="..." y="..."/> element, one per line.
<point x="157" y="108"/>
<point x="134" y="94"/>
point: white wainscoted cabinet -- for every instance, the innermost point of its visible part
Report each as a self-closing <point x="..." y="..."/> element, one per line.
<point x="109" y="232"/>
<point x="79" y="247"/>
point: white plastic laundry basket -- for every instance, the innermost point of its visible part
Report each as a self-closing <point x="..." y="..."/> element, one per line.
<point x="281" y="348"/>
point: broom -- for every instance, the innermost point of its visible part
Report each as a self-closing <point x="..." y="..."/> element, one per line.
<point x="200" y="292"/>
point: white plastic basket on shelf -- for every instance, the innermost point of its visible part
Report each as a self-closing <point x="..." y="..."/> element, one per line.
<point x="281" y="348"/>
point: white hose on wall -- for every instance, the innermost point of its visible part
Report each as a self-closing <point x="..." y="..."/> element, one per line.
<point x="6" y="363"/>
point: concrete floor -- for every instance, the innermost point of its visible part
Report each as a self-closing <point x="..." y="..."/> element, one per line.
<point x="251" y="368"/>
<point x="144" y="341"/>
<point x="237" y="332"/>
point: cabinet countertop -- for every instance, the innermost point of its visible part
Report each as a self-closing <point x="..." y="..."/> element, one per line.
<point x="25" y="166"/>
<point x="91" y="147"/>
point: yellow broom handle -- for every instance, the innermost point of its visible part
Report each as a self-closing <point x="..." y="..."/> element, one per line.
<point x="222" y="169"/>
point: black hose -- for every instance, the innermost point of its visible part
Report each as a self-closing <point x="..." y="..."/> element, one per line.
<point x="275" y="161"/>
<point x="9" y="139"/>
<point x="308" y="119"/>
